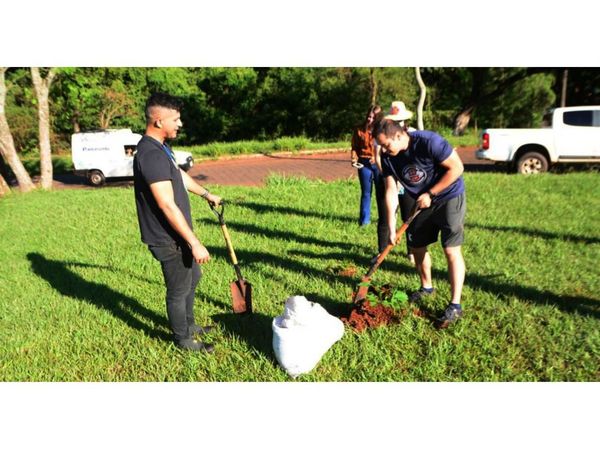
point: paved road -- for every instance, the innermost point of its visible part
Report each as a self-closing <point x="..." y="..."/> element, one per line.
<point x="254" y="169"/>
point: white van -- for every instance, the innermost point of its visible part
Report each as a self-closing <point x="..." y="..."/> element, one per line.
<point x="102" y="154"/>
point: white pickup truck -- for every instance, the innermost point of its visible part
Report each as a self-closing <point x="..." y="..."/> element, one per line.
<point x="570" y="135"/>
<point x="102" y="154"/>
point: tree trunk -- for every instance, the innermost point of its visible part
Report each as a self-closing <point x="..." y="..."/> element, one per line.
<point x="373" y="85"/>
<point x="42" y="88"/>
<point x="462" y="119"/>
<point x="7" y="144"/>
<point x="563" y="94"/>
<point x="4" y="187"/>
<point x="421" y="99"/>
<point x="75" y="121"/>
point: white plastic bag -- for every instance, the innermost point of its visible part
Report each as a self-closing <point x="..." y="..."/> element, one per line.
<point x="302" y="335"/>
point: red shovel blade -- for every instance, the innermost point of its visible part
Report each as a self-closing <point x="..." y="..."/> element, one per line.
<point x="362" y="292"/>
<point x="241" y="295"/>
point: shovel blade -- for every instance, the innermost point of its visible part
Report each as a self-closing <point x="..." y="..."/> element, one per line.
<point x="241" y="296"/>
<point x="361" y="294"/>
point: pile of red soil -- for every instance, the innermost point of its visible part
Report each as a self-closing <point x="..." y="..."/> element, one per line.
<point x="365" y="315"/>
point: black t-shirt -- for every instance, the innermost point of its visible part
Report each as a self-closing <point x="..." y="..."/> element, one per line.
<point x="151" y="164"/>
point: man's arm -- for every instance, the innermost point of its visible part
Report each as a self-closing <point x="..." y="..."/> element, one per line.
<point x="163" y="194"/>
<point x="454" y="169"/>
<point x="391" y="204"/>
<point x="194" y="187"/>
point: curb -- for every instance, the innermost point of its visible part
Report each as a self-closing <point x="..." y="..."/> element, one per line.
<point x="287" y="153"/>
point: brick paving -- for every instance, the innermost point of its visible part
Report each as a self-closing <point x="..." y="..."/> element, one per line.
<point x="253" y="170"/>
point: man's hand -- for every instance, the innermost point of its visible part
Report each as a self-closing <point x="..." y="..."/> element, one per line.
<point x="200" y="253"/>
<point x="392" y="237"/>
<point x="213" y="199"/>
<point x="424" y="201"/>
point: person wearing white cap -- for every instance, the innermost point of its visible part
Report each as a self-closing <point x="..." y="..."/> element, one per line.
<point x="399" y="114"/>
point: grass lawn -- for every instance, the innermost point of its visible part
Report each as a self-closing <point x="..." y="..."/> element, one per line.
<point x="83" y="300"/>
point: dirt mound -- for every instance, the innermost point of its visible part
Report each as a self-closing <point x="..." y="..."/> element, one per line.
<point x="364" y="315"/>
<point x="373" y="313"/>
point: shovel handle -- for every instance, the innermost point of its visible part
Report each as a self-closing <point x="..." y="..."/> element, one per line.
<point x="219" y="213"/>
<point x="229" y="245"/>
<point x="389" y="247"/>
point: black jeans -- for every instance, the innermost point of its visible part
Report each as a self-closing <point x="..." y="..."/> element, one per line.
<point x="182" y="274"/>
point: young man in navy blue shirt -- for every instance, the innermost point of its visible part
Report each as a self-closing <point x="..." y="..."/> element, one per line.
<point x="431" y="173"/>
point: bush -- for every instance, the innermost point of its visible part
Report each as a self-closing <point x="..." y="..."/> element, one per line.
<point x="290" y="143"/>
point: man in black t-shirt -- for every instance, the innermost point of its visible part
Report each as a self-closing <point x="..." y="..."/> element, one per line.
<point x="165" y="219"/>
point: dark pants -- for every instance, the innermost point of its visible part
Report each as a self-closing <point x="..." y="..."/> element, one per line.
<point x="182" y="274"/>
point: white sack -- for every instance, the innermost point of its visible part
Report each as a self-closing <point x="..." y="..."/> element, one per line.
<point x="302" y="335"/>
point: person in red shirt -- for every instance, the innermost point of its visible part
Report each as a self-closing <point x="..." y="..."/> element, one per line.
<point x="363" y="158"/>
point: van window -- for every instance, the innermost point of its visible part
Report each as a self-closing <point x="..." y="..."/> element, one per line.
<point x="585" y="118"/>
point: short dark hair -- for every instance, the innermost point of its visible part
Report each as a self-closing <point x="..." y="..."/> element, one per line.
<point x="388" y="127"/>
<point x="162" y="100"/>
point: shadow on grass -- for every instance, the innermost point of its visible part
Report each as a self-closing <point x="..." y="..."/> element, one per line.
<point x="538" y="233"/>
<point x="254" y="329"/>
<point x="262" y="209"/>
<point x="254" y="230"/>
<point x="568" y="303"/>
<point x="70" y="284"/>
<point x="277" y="262"/>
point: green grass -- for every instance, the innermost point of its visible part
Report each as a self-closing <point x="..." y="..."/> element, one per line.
<point x="83" y="300"/>
<point x="293" y="144"/>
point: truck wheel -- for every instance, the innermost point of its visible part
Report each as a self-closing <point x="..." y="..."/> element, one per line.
<point x="96" y="177"/>
<point x="532" y="162"/>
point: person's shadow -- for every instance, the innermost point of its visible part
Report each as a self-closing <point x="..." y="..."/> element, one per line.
<point x="69" y="284"/>
<point x="254" y="329"/>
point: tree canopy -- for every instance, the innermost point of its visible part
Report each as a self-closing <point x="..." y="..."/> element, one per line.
<point x="228" y="104"/>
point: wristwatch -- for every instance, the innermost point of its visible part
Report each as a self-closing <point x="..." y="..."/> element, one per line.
<point x="431" y="194"/>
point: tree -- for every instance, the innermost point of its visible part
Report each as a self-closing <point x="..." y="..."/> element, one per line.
<point x="4" y="187"/>
<point x="486" y="84"/>
<point x="421" y="98"/>
<point x="115" y="104"/>
<point x="373" y="84"/>
<point x="7" y="144"/>
<point x="42" y="89"/>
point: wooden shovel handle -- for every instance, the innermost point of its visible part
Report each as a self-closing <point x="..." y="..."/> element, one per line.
<point x="389" y="247"/>
<point x="229" y="245"/>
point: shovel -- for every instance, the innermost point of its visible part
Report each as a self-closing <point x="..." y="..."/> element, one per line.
<point x="241" y="290"/>
<point x="363" y="289"/>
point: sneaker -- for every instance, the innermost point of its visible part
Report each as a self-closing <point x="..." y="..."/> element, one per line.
<point x="197" y="329"/>
<point x="451" y="315"/>
<point x="418" y="296"/>
<point x="194" y="345"/>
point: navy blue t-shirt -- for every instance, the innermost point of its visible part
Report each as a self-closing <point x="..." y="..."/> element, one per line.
<point x="151" y="164"/>
<point x="418" y="167"/>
